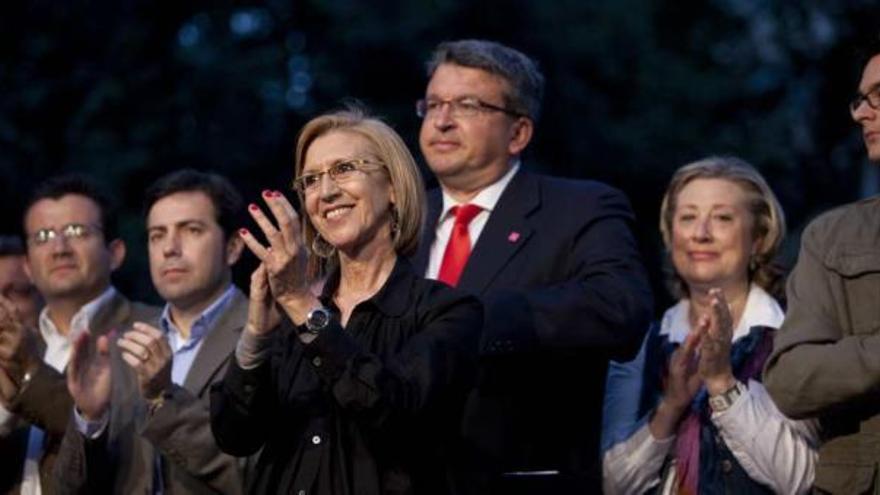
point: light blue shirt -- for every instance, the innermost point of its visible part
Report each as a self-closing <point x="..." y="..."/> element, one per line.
<point x="185" y="351"/>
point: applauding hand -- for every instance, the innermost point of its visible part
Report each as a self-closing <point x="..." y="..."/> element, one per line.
<point x="714" y="368"/>
<point x="146" y="350"/>
<point x="18" y="350"/>
<point x="283" y="262"/>
<point x="88" y="375"/>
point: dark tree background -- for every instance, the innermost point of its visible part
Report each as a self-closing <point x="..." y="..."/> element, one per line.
<point x="128" y="90"/>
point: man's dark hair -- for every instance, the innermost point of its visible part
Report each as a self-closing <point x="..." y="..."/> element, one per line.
<point x="59" y="186"/>
<point x="518" y="70"/>
<point x="226" y="199"/>
<point x="11" y="245"/>
<point x="868" y="47"/>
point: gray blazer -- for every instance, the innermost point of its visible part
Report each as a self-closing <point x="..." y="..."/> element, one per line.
<point x="122" y="459"/>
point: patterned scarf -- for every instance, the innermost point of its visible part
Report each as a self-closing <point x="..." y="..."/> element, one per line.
<point x="747" y="358"/>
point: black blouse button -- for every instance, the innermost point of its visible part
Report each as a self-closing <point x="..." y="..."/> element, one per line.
<point x="726" y="466"/>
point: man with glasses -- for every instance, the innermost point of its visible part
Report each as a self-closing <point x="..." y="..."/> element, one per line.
<point x="554" y="261"/>
<point x="71" y="251"/>
<point x="826" y="357"/>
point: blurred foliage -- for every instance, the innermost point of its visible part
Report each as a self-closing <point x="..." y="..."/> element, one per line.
<point x="129" y="90"/>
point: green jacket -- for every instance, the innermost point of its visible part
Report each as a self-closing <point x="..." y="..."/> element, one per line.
<point x="826" y="358"/>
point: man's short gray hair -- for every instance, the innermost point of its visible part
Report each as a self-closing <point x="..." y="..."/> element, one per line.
<point x="518" y="70"/>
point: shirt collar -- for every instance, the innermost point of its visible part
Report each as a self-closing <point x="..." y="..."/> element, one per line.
<point x="81" y="320"/>
<point x="205" y="321"/>
<point x="392" y="299"/>
<point x="486" y="198"/>
<point x="761" y="310"/>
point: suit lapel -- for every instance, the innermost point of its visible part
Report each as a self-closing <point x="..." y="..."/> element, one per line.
<point x="435" y="204"/>
<point x="506" y="232"/>
<point x="112" y="315"/>
<point x="218" y="344"/>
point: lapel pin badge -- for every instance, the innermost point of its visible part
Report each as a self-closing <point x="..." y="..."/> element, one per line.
<point x="513" y="236"/>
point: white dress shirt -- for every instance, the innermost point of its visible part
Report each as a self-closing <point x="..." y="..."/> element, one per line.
<point x="773" y="450"/>
<point x="58" y="348"/>
<point x="485" y="199"/>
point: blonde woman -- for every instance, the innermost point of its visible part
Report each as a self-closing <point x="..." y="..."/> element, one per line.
<point x="689" y="414"/>
<point x="358" y="390"/>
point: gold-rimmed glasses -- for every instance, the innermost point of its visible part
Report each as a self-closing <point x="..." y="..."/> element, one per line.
<point x="340" y="172"/>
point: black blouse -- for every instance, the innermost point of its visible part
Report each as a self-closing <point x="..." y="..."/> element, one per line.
<point x="372" y="408"/>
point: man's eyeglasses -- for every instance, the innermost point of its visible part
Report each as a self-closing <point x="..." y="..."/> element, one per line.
<point x="70" y="231"/>
<point x="460" y="108"/>
<point x="339" y="172"/>
<point x="871" y="97"/>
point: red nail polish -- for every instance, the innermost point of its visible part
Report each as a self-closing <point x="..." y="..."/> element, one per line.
<point x="277" y="194"/>
<point x="243" y="231"/>
<point x="253" y="207"/>
<point x="267" y="193"/>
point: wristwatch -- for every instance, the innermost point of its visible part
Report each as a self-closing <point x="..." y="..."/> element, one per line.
<point x="317" y="320"/>
<point x="724" y="400"/>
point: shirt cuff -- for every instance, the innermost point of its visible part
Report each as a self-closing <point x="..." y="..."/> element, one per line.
<point x="90" y="429"/>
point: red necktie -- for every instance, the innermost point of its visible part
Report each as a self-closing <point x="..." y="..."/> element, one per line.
<point x="459" y="247"/>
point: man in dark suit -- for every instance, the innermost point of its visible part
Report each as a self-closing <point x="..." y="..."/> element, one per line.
<point x="141" y="421"/>
<point x="72" y="249"/>
<point x="554" y="261"/>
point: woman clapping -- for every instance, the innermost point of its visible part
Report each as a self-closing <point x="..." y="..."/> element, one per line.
<point x="356" y="387"/>
<point x="689" y="415"/>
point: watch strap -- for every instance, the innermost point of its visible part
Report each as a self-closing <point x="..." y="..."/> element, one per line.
<point x="726" y="399"/>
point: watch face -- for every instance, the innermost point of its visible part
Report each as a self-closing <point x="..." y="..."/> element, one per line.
<point x="318" y="318"/>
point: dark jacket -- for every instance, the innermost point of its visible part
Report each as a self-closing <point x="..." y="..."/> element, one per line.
<point x="367" y="409"/>
<point x="560" y="276"/>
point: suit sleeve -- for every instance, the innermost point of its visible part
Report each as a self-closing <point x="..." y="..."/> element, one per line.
<point x="816" y="369"/>
<point x="602" y="301"/>
<point x="180" y="429"/>
<point x="45" y="401"/>
<point x="82" y="466"/>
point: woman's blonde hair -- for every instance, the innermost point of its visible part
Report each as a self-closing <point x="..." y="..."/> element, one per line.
<point x="408" y="209"/>
<point x="769" y="219"/>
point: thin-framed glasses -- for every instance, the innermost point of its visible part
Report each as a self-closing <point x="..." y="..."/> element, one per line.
<point x="70" y="231"/>
<point x="872" y="98"/>
<point x="460" y="108"/>
<point x="340" y="172"/>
